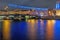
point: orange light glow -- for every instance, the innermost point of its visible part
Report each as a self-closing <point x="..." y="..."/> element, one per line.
<point x="32" y="29"/>
<point x="6" y="30"/>
<point x="58" y="12"/>
<point x="49" y="29"/>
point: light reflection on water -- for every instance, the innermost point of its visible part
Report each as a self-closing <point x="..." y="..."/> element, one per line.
<point x="31" y="30"/>
<point x="50" y="29"/>
<point x="6" y="29"/>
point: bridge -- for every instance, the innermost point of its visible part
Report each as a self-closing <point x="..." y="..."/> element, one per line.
<point x="19" y="16"/>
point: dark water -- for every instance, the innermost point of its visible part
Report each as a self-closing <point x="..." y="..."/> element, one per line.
<point x="31" y="30"/>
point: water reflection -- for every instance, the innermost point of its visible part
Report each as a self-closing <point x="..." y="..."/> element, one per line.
<point x="31" y="30"/>
<point x="57" y="30"/>
<point x="32" y="27"/>
<point x="6" y="29"/>
<point x="19" y="31"/>
<point x="1" y="30"/>
<point x="50" y="29"/>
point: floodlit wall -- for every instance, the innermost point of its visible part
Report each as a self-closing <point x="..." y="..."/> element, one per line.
<point x="13" y="12"/>
<point x="25" y="12"/>
<point x="58" y="12"/>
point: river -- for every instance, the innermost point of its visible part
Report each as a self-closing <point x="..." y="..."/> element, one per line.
<point x="30" y="30"/>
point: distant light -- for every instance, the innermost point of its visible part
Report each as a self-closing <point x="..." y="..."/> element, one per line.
<point x="42" y="15"/>
<point x="57" y="6"/>
<point x="49" y="12"/>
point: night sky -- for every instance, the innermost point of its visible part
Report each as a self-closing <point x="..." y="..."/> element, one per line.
<point x="32" y="3"/>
